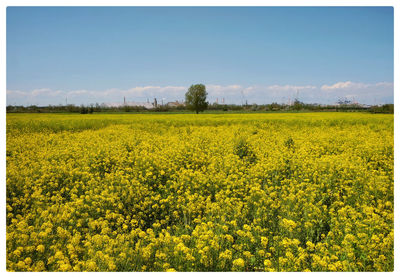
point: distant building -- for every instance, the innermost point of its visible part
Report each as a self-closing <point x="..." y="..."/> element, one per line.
<point x="174" y="104"/>
<point x="126" y="103"/>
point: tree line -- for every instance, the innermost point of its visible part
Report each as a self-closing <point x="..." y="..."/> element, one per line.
<point x="273" y="107"/>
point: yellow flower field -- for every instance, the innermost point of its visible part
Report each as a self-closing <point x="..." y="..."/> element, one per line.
<point x="210" y="192"/>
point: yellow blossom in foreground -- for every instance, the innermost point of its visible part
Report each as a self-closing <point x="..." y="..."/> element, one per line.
<point x="211" y="192"/>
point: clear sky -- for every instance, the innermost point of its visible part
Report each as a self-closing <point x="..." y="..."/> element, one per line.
<point x="261" y="54"/>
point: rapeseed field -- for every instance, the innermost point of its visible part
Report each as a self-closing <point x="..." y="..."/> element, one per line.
<point x="210" y="192"/>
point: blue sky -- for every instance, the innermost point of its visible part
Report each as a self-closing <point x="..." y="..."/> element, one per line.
<point x="102" y="54"/>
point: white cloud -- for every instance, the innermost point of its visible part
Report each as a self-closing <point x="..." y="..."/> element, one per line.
<point x="370" y="93"/>
<point x="381" y="92"/>
<point x="77" y="93"/>
<point x="45" y="96"/>
<point x="219" y="90"/>
<point x="345" y="85"/>
<point x="45" y="92"/>
<point x="16" y="93"/>
<point x="355" y="86"/>
<point x="290" y="87"/>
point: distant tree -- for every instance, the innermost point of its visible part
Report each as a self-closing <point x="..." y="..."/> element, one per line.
<point x="196" y="98"/>
<point x="84" y="109"/>
<point x="71" y="108"/>
<point x="98" y="107"/>
<point x="297" y="104"/>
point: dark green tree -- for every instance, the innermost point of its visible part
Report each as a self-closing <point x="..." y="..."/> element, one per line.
<point x="196" y="98"/>
<point x="297" y="105"/>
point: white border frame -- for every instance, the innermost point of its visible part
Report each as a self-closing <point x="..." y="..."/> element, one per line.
<point x="3" y="4"/>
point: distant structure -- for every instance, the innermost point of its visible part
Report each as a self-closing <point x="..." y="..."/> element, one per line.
<point x="344" y="101"/>
<point x="129" y="103"/>
<point x="146" y="104"/>
<point x="175" y="104"/>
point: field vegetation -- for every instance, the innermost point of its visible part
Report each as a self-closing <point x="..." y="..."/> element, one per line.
<point x="211" y="108"/>
<point x="211" y="192"/>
